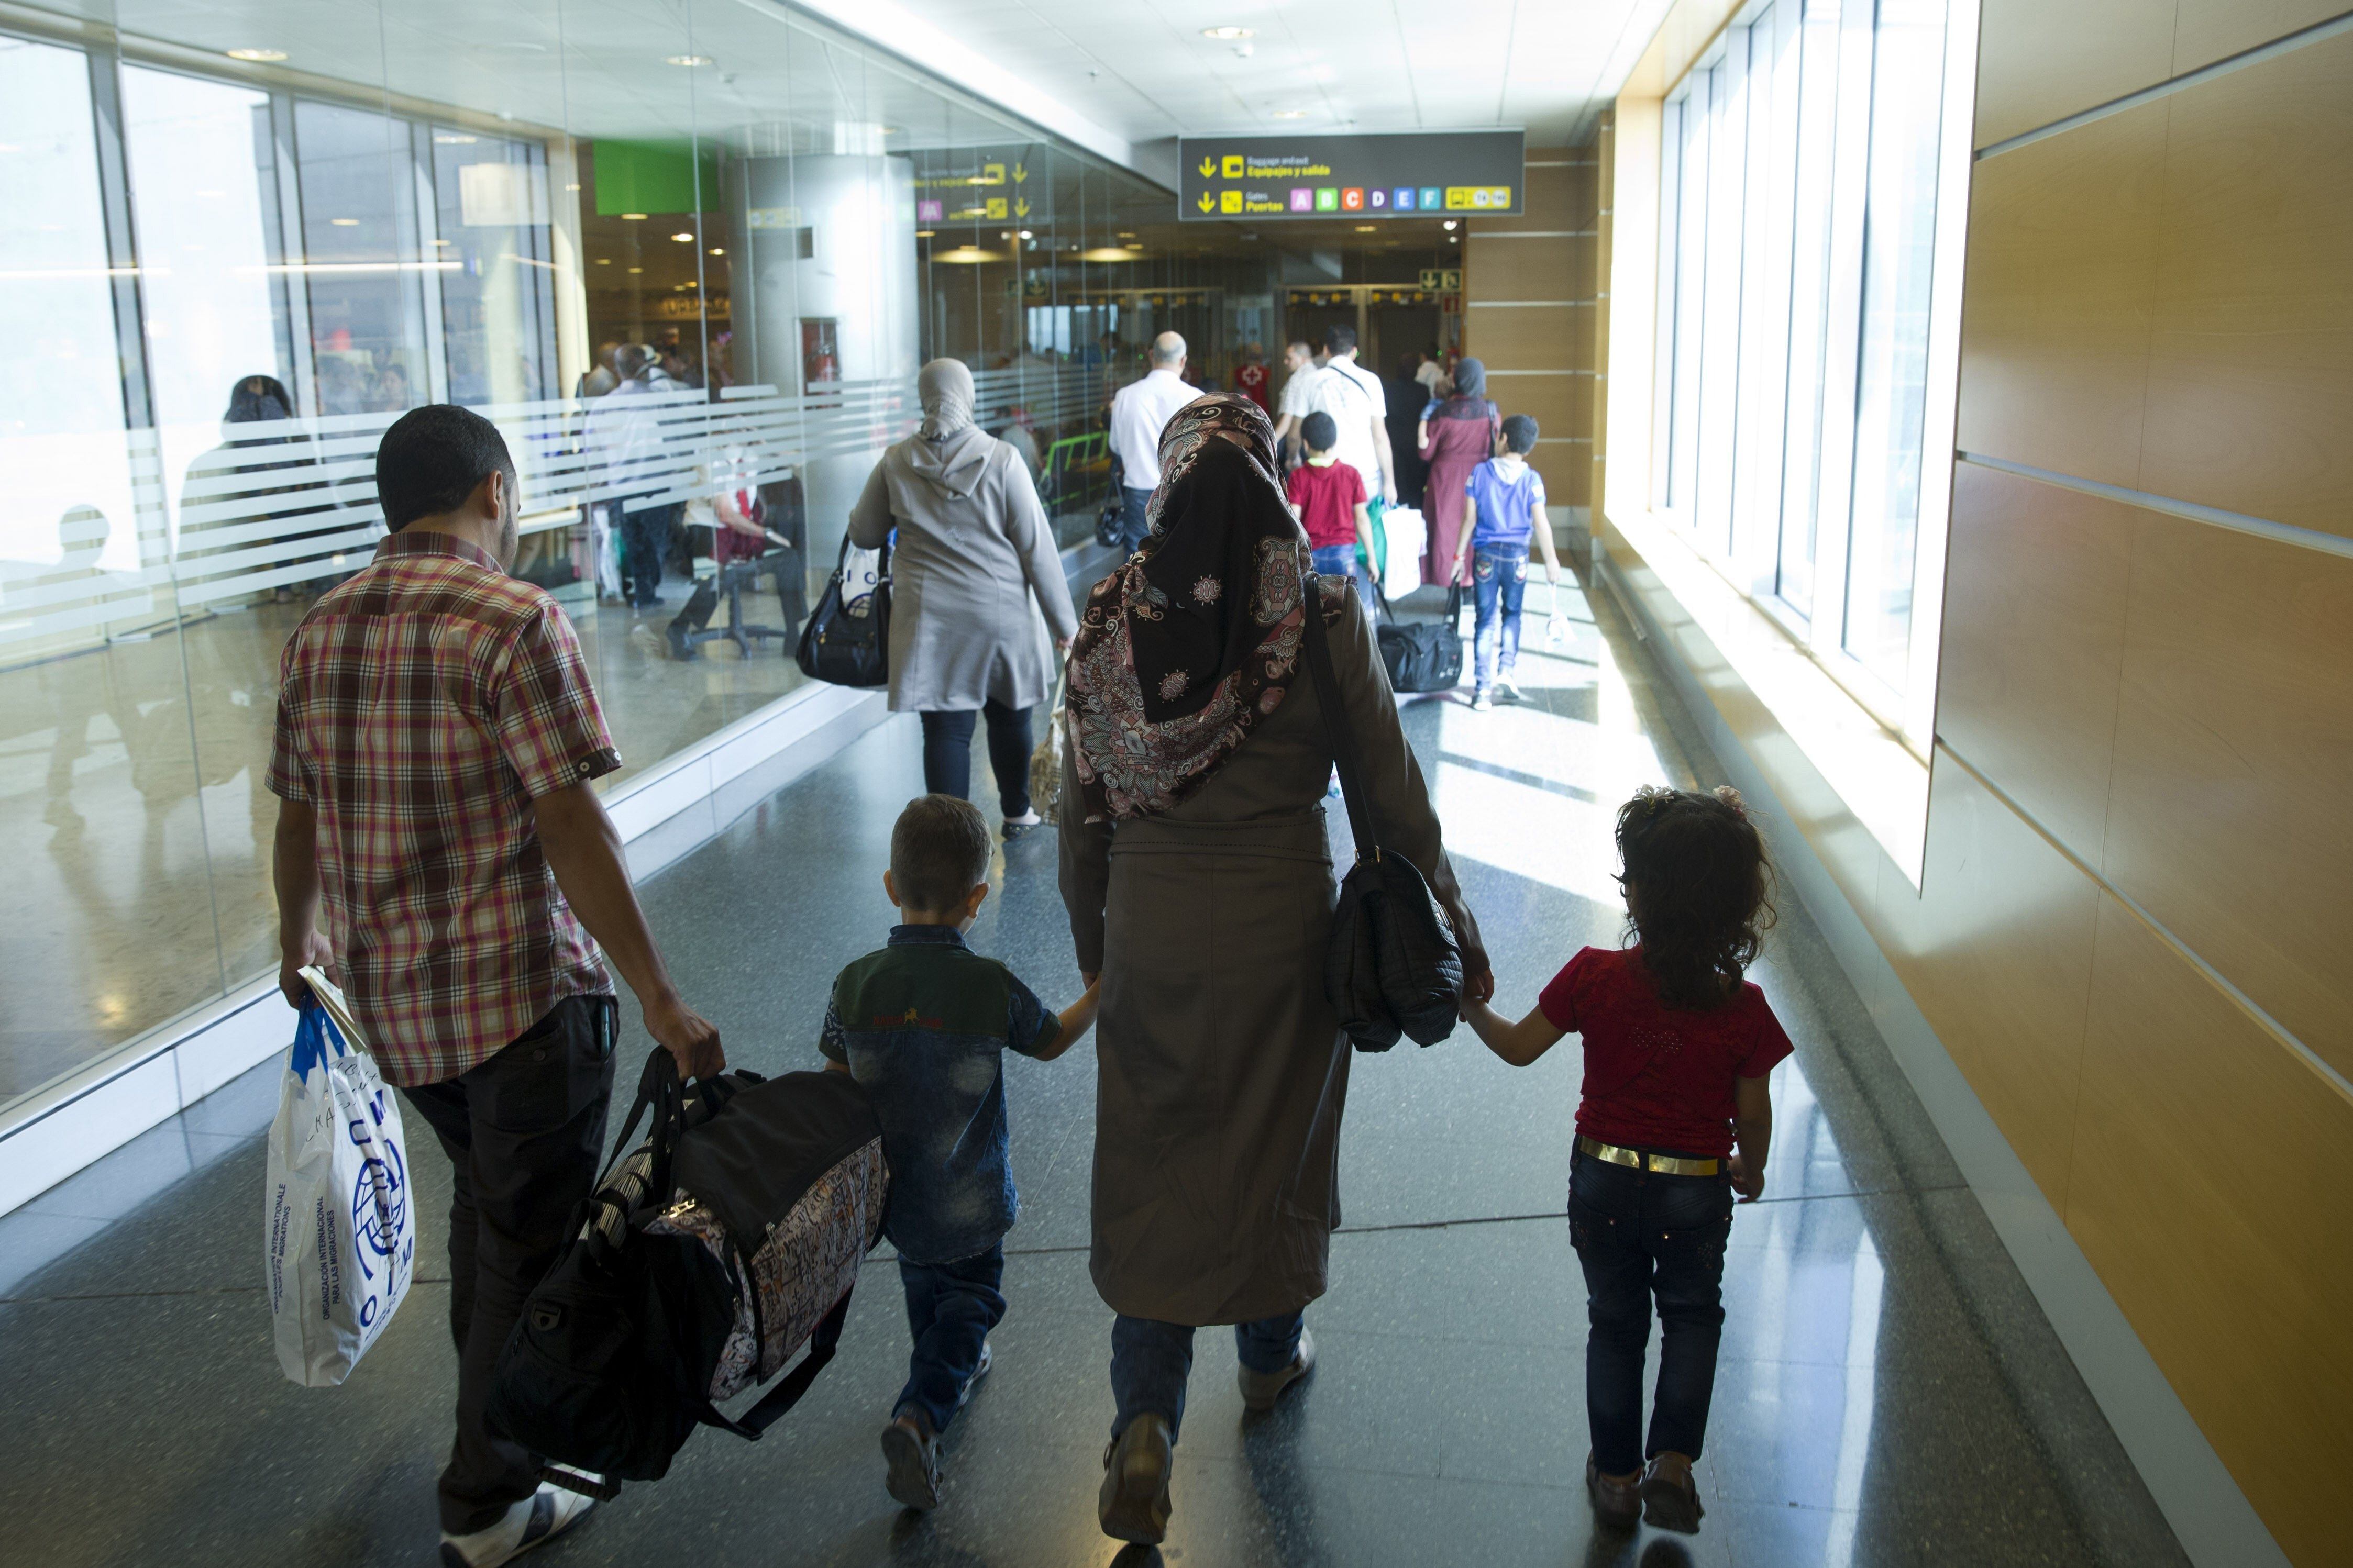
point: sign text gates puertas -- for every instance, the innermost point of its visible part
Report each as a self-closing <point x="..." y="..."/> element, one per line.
<point x="1277" y="177"/>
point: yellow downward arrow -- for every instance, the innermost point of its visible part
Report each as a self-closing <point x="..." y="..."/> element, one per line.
<point x="1208" y="201"/>
<point x="1019" y="173"/>
<point x="1208" y="167"/>
<point x="1021" y="206"/>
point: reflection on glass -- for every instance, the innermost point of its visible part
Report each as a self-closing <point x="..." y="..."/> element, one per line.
<point x="1689" y="271"/>
<point x="361" y="263"/>
<point x="497" y="275"/>
<point x="1891" y="398"/>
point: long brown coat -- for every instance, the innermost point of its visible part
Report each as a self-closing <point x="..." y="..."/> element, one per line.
<point x="1221" y="1070"/>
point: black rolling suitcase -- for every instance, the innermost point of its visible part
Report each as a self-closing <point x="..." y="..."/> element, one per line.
<point x="1421" y="656"/>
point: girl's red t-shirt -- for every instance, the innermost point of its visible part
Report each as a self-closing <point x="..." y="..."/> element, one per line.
<point x="1658" y="1077"/>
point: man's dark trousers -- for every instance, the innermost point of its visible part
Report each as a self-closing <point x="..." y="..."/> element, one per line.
<point x="524" y="1131"/>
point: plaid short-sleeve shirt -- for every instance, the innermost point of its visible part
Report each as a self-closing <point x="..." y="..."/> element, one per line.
<point x="422" y="705"/>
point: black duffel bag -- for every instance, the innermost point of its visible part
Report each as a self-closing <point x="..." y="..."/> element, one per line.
<point x="1422" y="656"/>
<point x="679" y="1287"/>
<point x="1395" y="965"/>
<point x="847" y="642"/>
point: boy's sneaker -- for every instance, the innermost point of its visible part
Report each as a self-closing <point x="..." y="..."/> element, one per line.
<point x="1507" y="692"/>
<point x="1015" y="826"/>
<point x="1134" y="1501"/>
<point x="1262" y="1389"/>
<point x="534" y="1521"/>
<point x="1670" y="1497"/>
<point x="1482" y="702"/>
<point x="1616" y="1499"/>
<point x="912" y="1452"/>
<point x="987" y="1360"/>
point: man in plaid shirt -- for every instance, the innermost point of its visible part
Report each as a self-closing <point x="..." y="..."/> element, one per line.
<point x="437" y="736"/>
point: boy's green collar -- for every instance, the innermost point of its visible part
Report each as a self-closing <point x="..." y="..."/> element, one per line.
<point x="1326" y="462"/>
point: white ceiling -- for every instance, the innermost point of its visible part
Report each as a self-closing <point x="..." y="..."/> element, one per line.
<point x="1142" y="70"/>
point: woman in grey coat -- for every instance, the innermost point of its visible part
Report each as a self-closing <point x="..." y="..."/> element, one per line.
<point x="973" y="547"/>
<point x="1199" y="883"/>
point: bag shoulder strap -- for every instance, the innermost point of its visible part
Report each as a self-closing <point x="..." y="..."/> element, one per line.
<point x="1344" y="756"/>
<point x="822" y="1342"/>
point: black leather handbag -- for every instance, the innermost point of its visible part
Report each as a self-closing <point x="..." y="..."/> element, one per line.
<point x="847" y="642"/>
<point x="1422" y="656"/>
<point x="1394" y="964"/>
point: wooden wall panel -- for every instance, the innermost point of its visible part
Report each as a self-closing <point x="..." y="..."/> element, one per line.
<point x="2209" y="30"/>
<point x="1526" y="337"/>
<point x="2235" y="743"/>
<point x="2059" y="298"/>
<point x="1516" y="270"/>
<point x="2038" y="62"/>
<point x="2202" y="1191"/>
<point x="2035" y="582"/>
<point x="2251" y="364"/>
<point x="1998" y="953"/>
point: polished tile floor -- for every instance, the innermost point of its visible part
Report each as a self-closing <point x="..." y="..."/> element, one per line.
<point x="1888" y="1393"/>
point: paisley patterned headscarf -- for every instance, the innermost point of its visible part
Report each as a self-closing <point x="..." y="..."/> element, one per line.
<point x="1186" y="647"/>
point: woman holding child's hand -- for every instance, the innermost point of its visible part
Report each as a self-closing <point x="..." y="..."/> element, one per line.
<point x="1199" y="881"/>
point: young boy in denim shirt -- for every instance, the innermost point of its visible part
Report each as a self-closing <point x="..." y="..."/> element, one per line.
<point x="923" y="1024"/>
<point x="1507" y="506"/>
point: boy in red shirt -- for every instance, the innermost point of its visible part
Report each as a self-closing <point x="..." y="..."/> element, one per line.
<point x="1677" y="1050"/>
<point x="1328" y="497"/>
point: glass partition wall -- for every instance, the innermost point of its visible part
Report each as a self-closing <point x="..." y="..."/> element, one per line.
<point x="239" y="241"/>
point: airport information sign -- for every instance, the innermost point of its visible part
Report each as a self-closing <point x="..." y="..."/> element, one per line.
<point x="1278" y="177"/>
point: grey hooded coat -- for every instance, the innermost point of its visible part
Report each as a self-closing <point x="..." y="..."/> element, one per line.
<point x="973" y="547"/>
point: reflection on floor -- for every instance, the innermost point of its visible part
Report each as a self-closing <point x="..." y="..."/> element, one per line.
<point x="1889" y="1394"/>
<point x="134" y="893"/>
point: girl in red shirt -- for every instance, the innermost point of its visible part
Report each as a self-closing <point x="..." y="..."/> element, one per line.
<point x="1676" y="1116"/>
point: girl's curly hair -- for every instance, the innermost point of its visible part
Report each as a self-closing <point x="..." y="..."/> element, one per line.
<point x="1698" y="889"/>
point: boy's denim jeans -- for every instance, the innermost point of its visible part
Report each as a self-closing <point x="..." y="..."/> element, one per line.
<point x="1499" y="578"/>
<point x="1150" y="1363"/>
<point x="951" y="1307"/>
<point x="1340" y="561"/>
<point x="1642" y="1236"/>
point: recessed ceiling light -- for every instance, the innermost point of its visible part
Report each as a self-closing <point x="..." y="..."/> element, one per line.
<point x="1225" y="33"/>
<point x="259" y="57"/>
<point x="1366" y="228"/>
<point x="688" y="60"/>
<point x="453" y="141"/>
<point x="345" y="222"/>
<point x="683" y="238"/>
<point x="636" y="270"/>
<point x="1288" y="114"/>
<point x="717" y="250"/>
<point x="925" y="233"/>
<point x="1127" y="234"/>
<point x="635" y="218"/>
<point x="1027" y="235"/>
<point x="1448" y="226"/>
<point x="603" y="261"/>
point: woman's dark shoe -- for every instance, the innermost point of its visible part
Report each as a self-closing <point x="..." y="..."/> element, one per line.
<point x="1135" y="1502"/>
<point x="1670" y="1497"/>
<point x="1616" y="1499"/>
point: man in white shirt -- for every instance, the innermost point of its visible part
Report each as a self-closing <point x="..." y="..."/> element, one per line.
<point x="1138" y="415"/>
<point x="1352" y="396"/>
<point x="1428" y="373"/>
<point x="1299" y="368"/>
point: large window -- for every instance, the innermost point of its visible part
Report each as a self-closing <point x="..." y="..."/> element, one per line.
<point x="1798" y="288"/>
<point x="239" y="245"/>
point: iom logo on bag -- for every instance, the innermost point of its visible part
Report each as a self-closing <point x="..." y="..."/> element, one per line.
<point x="379" y="1199"/>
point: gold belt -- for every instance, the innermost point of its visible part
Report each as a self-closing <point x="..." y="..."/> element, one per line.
<point x="1665" y="1164"/>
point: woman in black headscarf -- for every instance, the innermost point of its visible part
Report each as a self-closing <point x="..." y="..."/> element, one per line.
<point x="1198" y="882"/>
<point x="1460" y="436"/>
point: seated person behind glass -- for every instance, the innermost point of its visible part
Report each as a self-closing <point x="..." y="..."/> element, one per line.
<point x="739" y="534"/>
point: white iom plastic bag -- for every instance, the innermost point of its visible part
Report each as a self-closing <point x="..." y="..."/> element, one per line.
<point x="1405" y="535"/>
<point x="341" y="1244"/>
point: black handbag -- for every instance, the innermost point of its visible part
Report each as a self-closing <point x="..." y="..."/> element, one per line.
<point x="1422" y="656"/>
<point x="845" y="646"/>
<point x="1395" y="965"/>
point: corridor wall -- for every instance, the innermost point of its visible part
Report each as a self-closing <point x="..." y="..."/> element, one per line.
<point x="2126" y="928"/>
<point x="1530" y="288"/>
